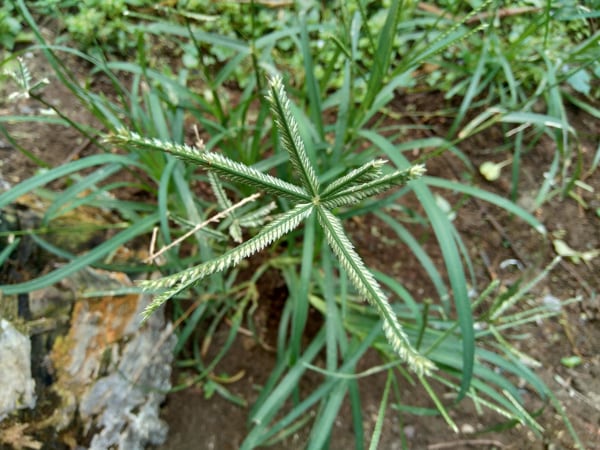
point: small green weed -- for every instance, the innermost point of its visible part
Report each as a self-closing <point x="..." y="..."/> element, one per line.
<point x="10" y="27"/>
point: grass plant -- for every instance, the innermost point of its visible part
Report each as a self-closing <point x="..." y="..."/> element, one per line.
<point x="320" y="164"/>
<point x="309" y="199"/>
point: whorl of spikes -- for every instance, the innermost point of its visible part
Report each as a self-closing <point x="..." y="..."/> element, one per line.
<point x="365" y="181"/>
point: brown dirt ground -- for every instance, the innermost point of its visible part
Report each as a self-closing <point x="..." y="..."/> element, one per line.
<point x="491" y="236"/>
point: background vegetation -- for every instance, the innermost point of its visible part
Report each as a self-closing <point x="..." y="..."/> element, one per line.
<point x="181" y="64"/>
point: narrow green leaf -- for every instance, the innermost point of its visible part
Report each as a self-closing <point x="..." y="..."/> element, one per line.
<point x="441" y="226"/>
<point x="357" y="415"/>
<point x="341" y="125"/>
<point x="471" y="92"/>
<point x="50" y="120"/>
<point x="382" y="54"/>
<point x="163" y="200"/>
<point x="488" y="197"/>
<point x="374" y="445"/>
<point x="301" y="294"/>
<point x="334" y="325"/>
<point x="47" y="176"/>
<point x="541" y="120"/>
<point x="8" y="249"/>
<point x="72" y="194"/>
<point x="269" y="410"/>
<point x="82" y="261"/>
<point x="417" y="250"/>
<point x="312" y="86"/>
<point x="169" y="28"/>
<point x="326" y="417"/>
<point x="271" y="405"/>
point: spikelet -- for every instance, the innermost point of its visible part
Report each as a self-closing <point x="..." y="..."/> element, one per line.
<point x="215" y="162"/>
<point x="367" y="286"/>
<point x="177" y="283"/>
<point x="290" y="136"/>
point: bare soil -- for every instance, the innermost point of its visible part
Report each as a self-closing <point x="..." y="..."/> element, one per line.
<point x="492" y="237"/>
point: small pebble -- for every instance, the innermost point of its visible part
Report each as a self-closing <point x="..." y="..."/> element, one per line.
<point x="551" y="302"/>
<point x="467" y="428"/>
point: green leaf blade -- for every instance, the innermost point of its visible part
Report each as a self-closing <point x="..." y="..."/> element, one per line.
<point x="442" y="228"/>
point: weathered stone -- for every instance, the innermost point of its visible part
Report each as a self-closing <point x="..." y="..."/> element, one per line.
<point x="117" y="369"/>
<point x="17" y="388"/>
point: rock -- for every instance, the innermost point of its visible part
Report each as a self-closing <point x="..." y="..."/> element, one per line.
<point x="17" y="388"/>
<point x="467" y="428"/>
<point x="117" y="368"/>
<point x="125" y="404"/>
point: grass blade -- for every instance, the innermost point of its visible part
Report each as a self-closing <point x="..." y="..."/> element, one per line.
<point x="488" y="197"/>
<point x="82" y="261"/>
<point x="382" y="54"/>
<point x="53" y="174"/>
<point x="312" y="86"/>
<point x="374" y="445"/>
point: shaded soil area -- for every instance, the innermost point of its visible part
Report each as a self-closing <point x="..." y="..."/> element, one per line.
<point x="501" y="247"/>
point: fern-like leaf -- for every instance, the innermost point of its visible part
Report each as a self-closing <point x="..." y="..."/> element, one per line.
<point x="257" y="217"/>
<point x="290" y="136"/>
<point x="358" y="192"/>
<point x="214" y="162"/>
<point x="179" y="282"/>
<point x="367" y="172"/>
<point x="368" y="287"/>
